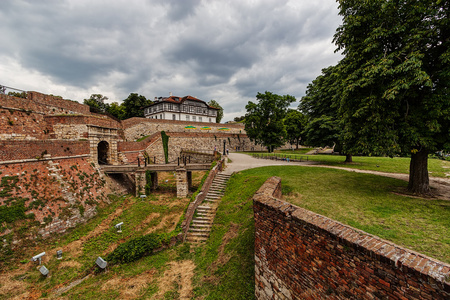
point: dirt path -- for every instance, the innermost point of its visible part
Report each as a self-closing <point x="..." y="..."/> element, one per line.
<point x="241" y="162"/>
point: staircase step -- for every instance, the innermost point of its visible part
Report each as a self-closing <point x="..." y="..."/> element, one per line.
<point x="199" y="234"/>
<point x="200" y="225"/>
<point x="204" y="221"/>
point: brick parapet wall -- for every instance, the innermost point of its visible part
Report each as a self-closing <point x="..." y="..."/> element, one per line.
<point x="19" y="150"/>
<point x="302" y="255"/>
<point x="95" y="120"/>
<point x="42" y="103"/>
<point x="56" y="102"/>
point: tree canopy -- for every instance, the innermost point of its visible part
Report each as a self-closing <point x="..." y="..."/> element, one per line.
<point x="134" y="105"/>
<point x="215" y="104"/>
<point x="97" y="103"/>
<point x="130" y="107"/>
<point x="320" y="105"/>
<point x="295" y="123"/>
<point x="394" y="80"/>
<point x="264" y="120"/>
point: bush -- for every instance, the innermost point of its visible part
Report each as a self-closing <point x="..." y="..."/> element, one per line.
<point x="135" y="249"/>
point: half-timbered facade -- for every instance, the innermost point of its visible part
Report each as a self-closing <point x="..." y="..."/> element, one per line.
<point x="187" y="108"/>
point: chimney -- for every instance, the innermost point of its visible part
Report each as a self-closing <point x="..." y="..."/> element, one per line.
<point x="170" y="94"/>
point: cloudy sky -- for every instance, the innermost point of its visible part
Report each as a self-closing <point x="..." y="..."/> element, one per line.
<point x="213" y="49"/>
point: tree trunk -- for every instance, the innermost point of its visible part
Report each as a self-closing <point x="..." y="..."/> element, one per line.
<point x="419" y="182"/>
<point x="298" y="142"/>
<point x="348" y="158"/>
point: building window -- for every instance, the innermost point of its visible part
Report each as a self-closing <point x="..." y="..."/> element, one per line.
<point x="193" y="118"/>
<point x="187" y="118"/>
<point x="200" y="119"/>
<point x="174" y="117"/>
<point x="210" y="120"/>
<point x="160" y="116"/>
<point x="170" y="106"/>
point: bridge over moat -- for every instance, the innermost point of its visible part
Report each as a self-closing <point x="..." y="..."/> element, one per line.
<point x="183" y="174"/>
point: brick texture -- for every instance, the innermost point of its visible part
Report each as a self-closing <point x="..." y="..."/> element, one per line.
<point x="19" y="150"/>
<point x="302" y="255"/>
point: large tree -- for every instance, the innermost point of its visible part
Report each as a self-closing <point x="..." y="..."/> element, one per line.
<point x="264" y="120"/>
<point x="97" y="103"/>
<point x="295" y="123"/>
<point x="134" y="105"/>
<point x="395" y="78"/>
<point x="320" y="106"/>
<point x="215" y="104"/>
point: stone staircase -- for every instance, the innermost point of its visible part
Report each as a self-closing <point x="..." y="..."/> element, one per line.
<point x="206" y="211"/>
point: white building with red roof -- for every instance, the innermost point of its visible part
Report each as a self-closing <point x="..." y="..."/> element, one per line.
<point x="186" y="108"/>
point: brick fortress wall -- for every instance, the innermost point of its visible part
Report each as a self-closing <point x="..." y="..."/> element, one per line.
<point x="47" y="185"/>
<point x="303" y="255"/>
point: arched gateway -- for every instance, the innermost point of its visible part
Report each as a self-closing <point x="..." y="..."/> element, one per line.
<point x="103" y="153"/>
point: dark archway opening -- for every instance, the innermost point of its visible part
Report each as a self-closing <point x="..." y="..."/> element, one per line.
<point x="102" y="150"/>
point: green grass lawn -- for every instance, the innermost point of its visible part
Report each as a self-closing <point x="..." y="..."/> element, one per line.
<point x="436" y="167"/>
<point x="364" y="201"/>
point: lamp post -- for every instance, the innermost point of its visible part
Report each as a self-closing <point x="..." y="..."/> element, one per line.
<point x="224" y="144"/>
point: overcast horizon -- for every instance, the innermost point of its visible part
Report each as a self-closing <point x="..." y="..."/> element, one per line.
<point x="222" y="50"/>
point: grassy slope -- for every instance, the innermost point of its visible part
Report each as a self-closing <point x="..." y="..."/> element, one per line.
<point x="361" y="200"/>
<point x="225" y="263"/>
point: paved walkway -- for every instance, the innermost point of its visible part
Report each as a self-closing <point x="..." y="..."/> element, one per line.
<point x="241" y="162"/>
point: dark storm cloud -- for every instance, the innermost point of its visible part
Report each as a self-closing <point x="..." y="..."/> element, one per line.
<point x="223" y="50"/>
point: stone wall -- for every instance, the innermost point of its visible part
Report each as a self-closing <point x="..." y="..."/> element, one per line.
<point x="303" y="255"/>
<point x="198" y="141"/>
<point x="135" y="128"/>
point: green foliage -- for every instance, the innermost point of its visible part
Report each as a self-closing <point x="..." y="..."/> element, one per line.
<point x="135" y="249"/>
<point x="295" y="123"/>
<point x="239" y="119"/>
<point x="117" y="110"/>
<point x="215" y="104"/>
<point x="149" y="183"/>
<point x="142" y="138"/>
<point x="7" y="184"/>
<point x="165" y="142"/>
<point x="14" y="211"/>
<point x="264" y="120"/>
<point x="134" y="105"/>
<point x="97" y="103"/>
<point x="391" y="88"/>
<point x="18" y="94"/>
<point x="320" y="106"/>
